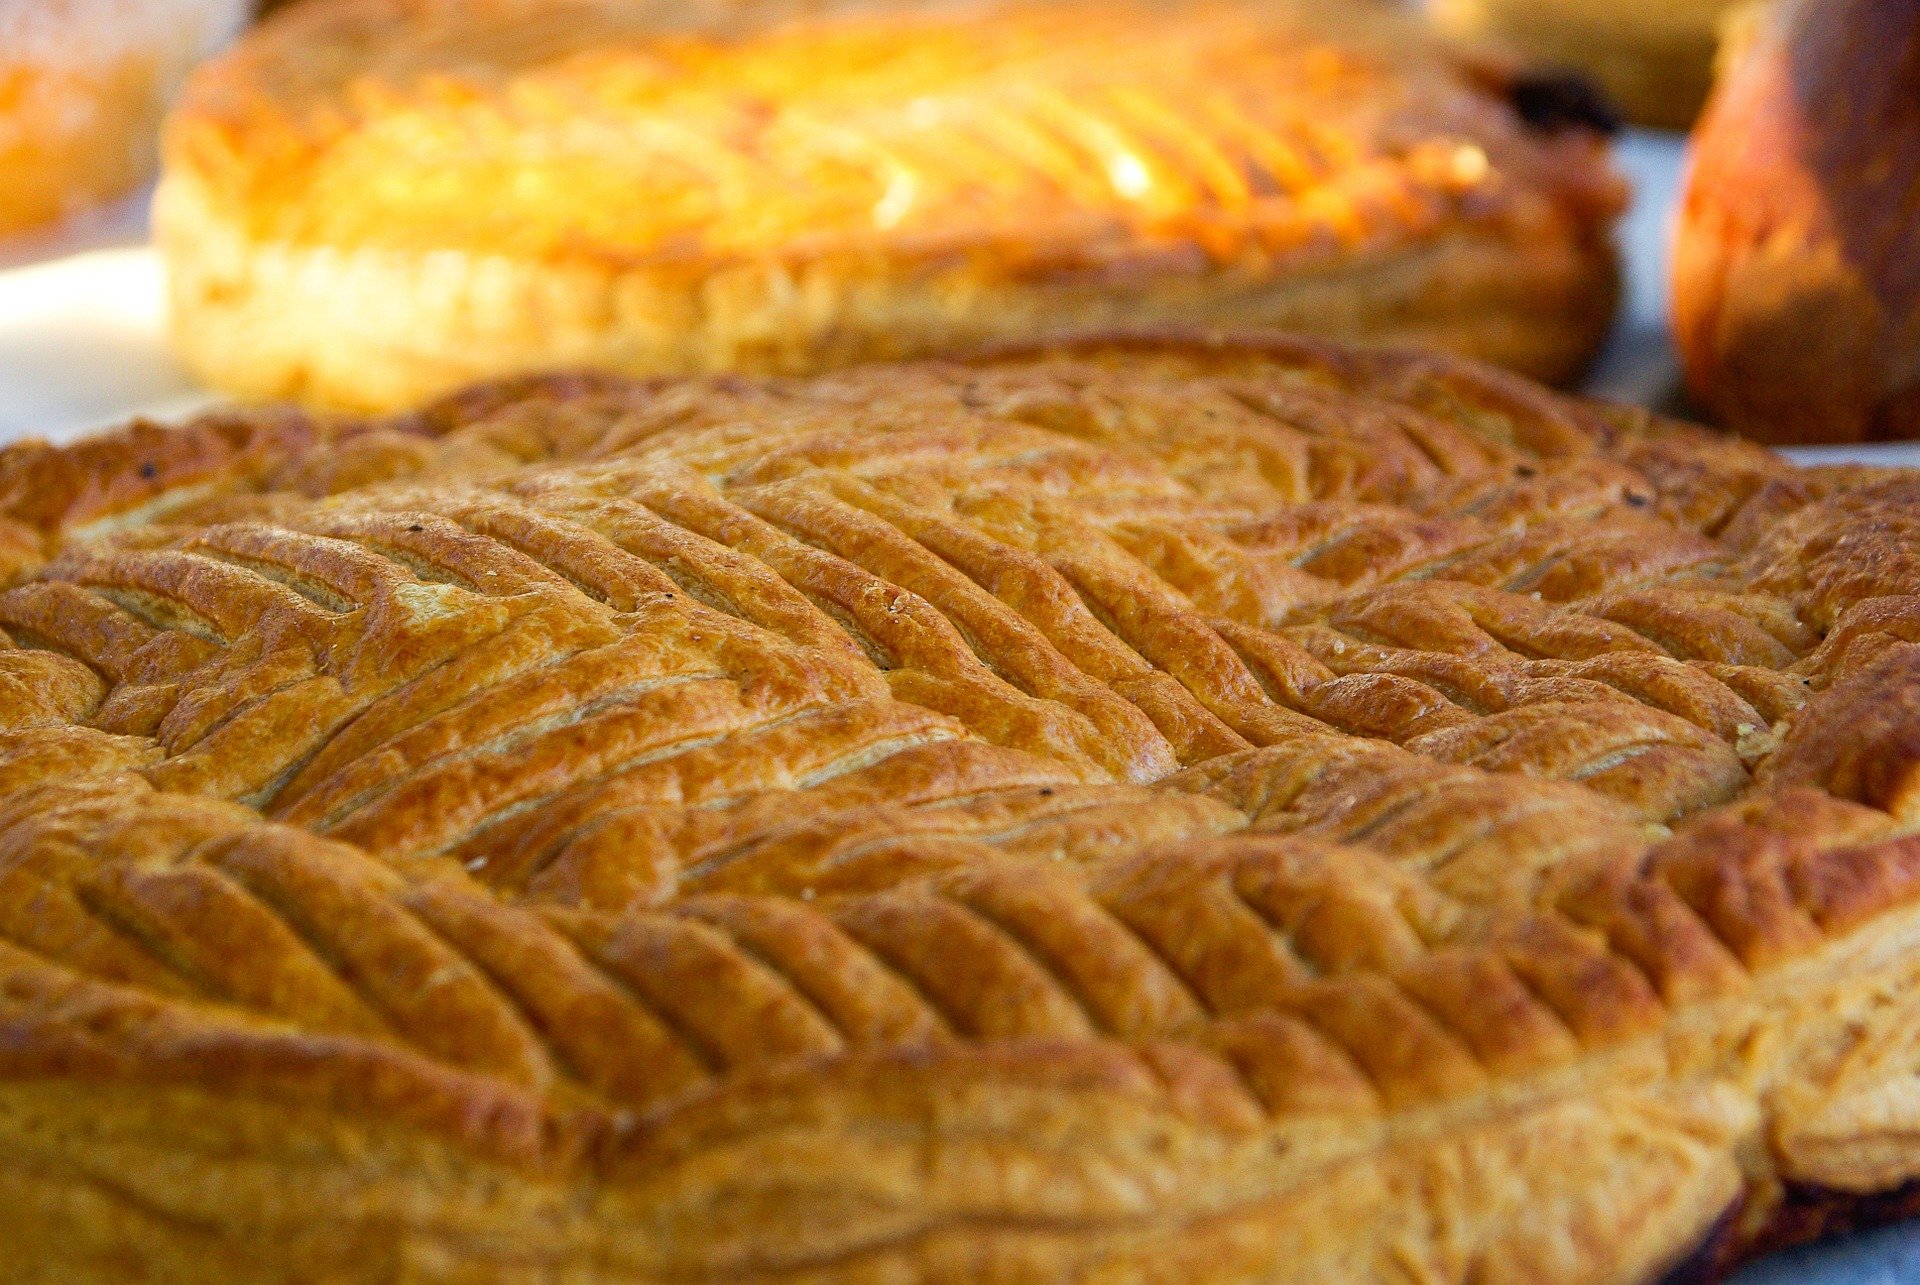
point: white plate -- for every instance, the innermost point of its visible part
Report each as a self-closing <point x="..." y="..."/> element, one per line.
<point x="82" y="344"/>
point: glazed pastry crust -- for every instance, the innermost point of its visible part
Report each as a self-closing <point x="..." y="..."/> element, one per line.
<point x="372" y="201"/>
<point x="1172" y="807"/>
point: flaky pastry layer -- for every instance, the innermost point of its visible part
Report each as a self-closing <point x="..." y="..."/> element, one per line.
<point x="1156" y="808"/>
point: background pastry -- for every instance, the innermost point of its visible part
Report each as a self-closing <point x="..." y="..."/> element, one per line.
<point x="1796" y="280"/>
<point x="372" y="200"/>
<point x="82" y="87"/>
<point x="1654" y="57"/>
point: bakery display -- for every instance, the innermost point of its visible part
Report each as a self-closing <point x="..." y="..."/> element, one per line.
<point x="82" y="87"/>
<point x="1796" y="279"/>
<point x="1202" y="809"/>
<point x="1654" y="57"/>
<point x="371" y="201"/>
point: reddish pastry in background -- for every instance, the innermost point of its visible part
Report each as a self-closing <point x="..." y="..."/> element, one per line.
<point x="1796" y="291"/>
<point x="82" y="87"/>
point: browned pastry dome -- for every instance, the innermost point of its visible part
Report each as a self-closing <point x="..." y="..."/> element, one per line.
<point x="1150" y="809"/>
<point x="372" y="201"/>
<point x="1796" y="256"/>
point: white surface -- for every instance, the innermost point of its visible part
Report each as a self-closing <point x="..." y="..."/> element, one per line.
<point x="1638" y="364"/>
<point x="83" y="329"/>
<point x="95" y="33"/>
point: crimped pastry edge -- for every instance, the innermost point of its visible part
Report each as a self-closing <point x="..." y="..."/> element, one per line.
<point x="97" y="1167"/>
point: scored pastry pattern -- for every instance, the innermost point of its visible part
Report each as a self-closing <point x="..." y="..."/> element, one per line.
<point x="1061" y="132"/>
<point x="1248" y="805"/>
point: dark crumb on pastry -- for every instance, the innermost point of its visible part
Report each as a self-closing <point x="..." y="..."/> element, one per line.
<point x="1558" y="99"/>
<point x="149" y="470"/>
<point x="1718" y="1252"/>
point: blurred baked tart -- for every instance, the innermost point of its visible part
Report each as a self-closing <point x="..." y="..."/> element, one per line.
<point x="371" y="201"/>
<point x="1202" y="810"/>
<point x="83" y="84"/>
<point x="1653" y="58"/>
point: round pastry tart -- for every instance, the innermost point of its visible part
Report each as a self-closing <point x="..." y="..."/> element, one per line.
<point x="1206" y="809"/>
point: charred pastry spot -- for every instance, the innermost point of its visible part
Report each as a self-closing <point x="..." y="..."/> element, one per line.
<point x="1636" y="500"/>
<point x="1555" y="100"/>
<point x="149" y="470"/>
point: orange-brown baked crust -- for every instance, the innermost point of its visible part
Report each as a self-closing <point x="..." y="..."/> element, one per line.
<point x="372" y="201"/>
<point x="1166" y="807"/>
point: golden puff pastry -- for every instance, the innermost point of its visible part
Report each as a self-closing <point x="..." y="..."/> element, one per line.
<point x="372" y="201"/>
<point x="1149" y="808"/>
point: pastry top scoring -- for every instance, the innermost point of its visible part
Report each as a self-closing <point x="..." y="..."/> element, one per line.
<point x="1308" y="735"/>
<point x="1045" y="136"/>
